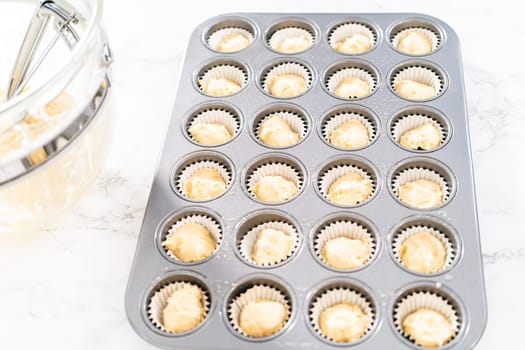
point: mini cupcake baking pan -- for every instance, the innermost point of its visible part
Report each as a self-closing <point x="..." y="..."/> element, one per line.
<point x="404" y="80"/>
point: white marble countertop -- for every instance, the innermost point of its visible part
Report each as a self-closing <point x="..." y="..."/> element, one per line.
<point x="63" y="286"/>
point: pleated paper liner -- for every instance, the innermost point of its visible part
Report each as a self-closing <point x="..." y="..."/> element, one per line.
<point x="332" y="122"/>
<point x="185" y="173"/>
<point x="208" y="222"/>
<point x="335" y="79"/>
<point x="421" y="74"/>
<point x="343" y="228"/>
<point x="347" y="30"/>
<point x="406" y="233"/>
<point x="335" y="296"/>
<point x="414" y="120"/>
<point x="332" y="174"/>
<point x="257" y="292"/>
<point x="248" y="241"/>
<point x="217" y="36"/>
<point x="287" y="67"/>
<point x="280" y="35"/>
<point x="230" y="71"/>
<point x="429" y="34"/>
<point x="429" y="300"/>
<point x="159" y="301"/>
<point x="215" y="115"/>
<point x="298" y="123"/>
<point x="420" y="173"/>
<point x="275" y="168"/>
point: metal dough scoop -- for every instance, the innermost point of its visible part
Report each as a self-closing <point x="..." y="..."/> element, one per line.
<point x="32" y="54"/>
<point x="27" y="62"/>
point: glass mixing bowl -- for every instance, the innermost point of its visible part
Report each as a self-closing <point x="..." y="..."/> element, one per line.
<point x="54" y="135"/>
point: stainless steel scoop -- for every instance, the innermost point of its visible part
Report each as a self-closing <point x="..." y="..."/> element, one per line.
<point x="34" y="50"/>
<point x="27" y="61"/>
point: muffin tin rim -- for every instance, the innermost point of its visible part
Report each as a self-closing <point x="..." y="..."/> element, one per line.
<point x="182" y="211"/>
<point x="330" y="27"/>
<point x="426" y="109"/>
<point x="214" y="61"/>
<point x="351" y="216"/>
<point x="434" y="220"/>
<point x="267" y="211"/>
<point x="240" y="283"/>
<point x="208" y="105"/>
<point x="389" y="31"/>
<point x="346" y="282"/>
<point x="394" y="170"/>
<point x="375" y="175"/>
<point x="177" y="169"/>
<point x="265" y="37"/>
<point x="418" y="62"/>
<point x="210" y="23"/>
<point x="350" y="106"/>
<point x="285" y="105"/>
<point x="159" y="281"/>
<point x="439" y="289"/>
<point x="349" y="62"/>
<point x="268" y="155"/>
<point x="274" y="62"/>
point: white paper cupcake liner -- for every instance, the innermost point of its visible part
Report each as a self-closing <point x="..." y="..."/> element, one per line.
<point x="347" y="30"/>
<point x="190" y="169"/>
<point x="412" y="121"/>
<point x="294" y="120"/>
<point x="285" y="33"/>
<point x="248" y="241"/>
<point x="418" y="173"/>
<point x="216" y="37"/>
<point x="336" y="296"/>
<point x="288" y="68"/>
<point x="257" y="292"/>
<point x="225" y="71"/>
<point x="218" y="116"/>
<point x="159" y="300"/>
<point x="275" y="169"/>
<point x="402" y="236"/>
<point x="208" y="222"/>
<point x="428" y="300"/>
<point x="429" y="34"/>
<point x="343" y="228"/>
<point x="422" y="75"/>
<point x="337" y="78"/>
<point x="338" y="119"/>
<point x="332" y="174"/>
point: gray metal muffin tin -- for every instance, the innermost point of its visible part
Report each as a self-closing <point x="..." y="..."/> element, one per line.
<point x="303" y="275"/>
